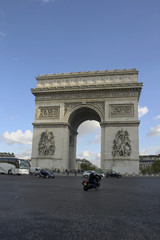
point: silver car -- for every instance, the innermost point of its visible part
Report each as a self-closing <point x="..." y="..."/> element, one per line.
<point x="87" y="173"/>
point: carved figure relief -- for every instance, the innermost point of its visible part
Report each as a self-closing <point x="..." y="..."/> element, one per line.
<point x="121" y="110"/>
<point x="121" y="144"/>
<point x="48" y="112"/>
<point x="46" y="144"/>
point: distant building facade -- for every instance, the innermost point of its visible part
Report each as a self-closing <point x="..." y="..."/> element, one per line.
<point x="7" y="155"/>
<point x="146" y="161"/>
<point x="79" y="163"/>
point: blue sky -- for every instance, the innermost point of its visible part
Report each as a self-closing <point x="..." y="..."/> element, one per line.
<point x="56" y="36"/>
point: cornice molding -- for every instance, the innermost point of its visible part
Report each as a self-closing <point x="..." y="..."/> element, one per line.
<point x="84" y="88"/>
<point x="88" y="94"/>
<point x="119" y="123"/>
<point x="49" y="124"/>
<point x="88" y="74"/>
<point x="43" y="159"/>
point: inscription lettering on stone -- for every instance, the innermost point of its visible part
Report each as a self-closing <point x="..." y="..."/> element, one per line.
<point x="48" y="112"/>
<point x="118" y="110"/>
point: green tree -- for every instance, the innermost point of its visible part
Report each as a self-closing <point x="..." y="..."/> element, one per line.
<point x="87" y="166"/>
<point x="146" y="170"/>
<point x="156" y="166"/>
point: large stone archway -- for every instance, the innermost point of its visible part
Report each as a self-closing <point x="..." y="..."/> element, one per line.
<point x="64" y="101"/>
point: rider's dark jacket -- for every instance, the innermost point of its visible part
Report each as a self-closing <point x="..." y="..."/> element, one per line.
<point x="93" y="177"/>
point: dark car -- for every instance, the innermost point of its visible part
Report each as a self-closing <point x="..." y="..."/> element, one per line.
<point x="45" y="173"/>
<point x="113" y="174"/>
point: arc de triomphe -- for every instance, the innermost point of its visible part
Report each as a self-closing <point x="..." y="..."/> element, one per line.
<point x="64" y="101"/>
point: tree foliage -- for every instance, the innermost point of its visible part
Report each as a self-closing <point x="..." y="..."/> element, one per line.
<point x="87" y="166"/>
<point x="156" y="167"/>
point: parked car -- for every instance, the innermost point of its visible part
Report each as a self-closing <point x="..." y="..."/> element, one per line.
<point x="34" y="170"/>
<point x="46" y="173"/>
<point x="113" y="174"/>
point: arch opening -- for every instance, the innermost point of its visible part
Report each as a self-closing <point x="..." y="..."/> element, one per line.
<point x="88" y="145"/>
<point x="81" y="115"/>
<point x="78" y="117"/>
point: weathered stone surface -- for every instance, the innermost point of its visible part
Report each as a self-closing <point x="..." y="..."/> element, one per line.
<point x="64" y="101"/>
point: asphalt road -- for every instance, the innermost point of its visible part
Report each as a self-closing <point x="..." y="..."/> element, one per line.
<point x="45" y="209"/>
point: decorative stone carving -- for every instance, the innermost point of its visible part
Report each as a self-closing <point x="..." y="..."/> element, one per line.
<point x="87" y="78"/>
<point x="99" y="105"/>
<point x="87" y="94"/>
<point x="48" y="112"/>
<point x="68" y="106"/>
<point x="46" y="144"/>
<point x="121" y="144"/>
<point x="121" y="110"/>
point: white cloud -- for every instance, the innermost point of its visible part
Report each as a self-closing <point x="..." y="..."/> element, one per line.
<point x="97" y="160"/>
<point x="92" y="157"/>
<point x="24" y="155"/>
<point x="142" y="111"/>
<point x="154" y="150"/>
<point x="88" y="127"/>
<point x="98" y="156"/>
<point x="157" y="117"/>
<point x="86" y="154"/>
<point x="18" y="137"/>
<point x="97" y="139"/>
<point x="155" y="131"/>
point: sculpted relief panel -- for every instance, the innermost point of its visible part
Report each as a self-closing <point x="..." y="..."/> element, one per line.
<point x="121" y="110"/>
<point x="46" y="144"/>
<point x="121" y="144"/>
<point x="48" y="112"/>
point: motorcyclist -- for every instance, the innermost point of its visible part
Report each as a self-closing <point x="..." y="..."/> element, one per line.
<point x="93" y="178"/>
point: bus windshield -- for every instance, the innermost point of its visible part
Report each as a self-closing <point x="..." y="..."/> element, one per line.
<point x="23" y="164"/>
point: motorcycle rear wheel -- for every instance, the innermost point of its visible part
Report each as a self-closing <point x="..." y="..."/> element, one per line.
<point x="85" y="188"/>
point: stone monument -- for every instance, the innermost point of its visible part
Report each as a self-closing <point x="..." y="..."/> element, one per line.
<point x="64" y="101"/>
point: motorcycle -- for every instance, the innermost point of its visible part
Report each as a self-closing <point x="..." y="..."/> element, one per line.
<point x="89" y="185"/>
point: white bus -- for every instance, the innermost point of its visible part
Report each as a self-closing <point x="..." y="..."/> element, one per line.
<point x="14" y="166"/>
